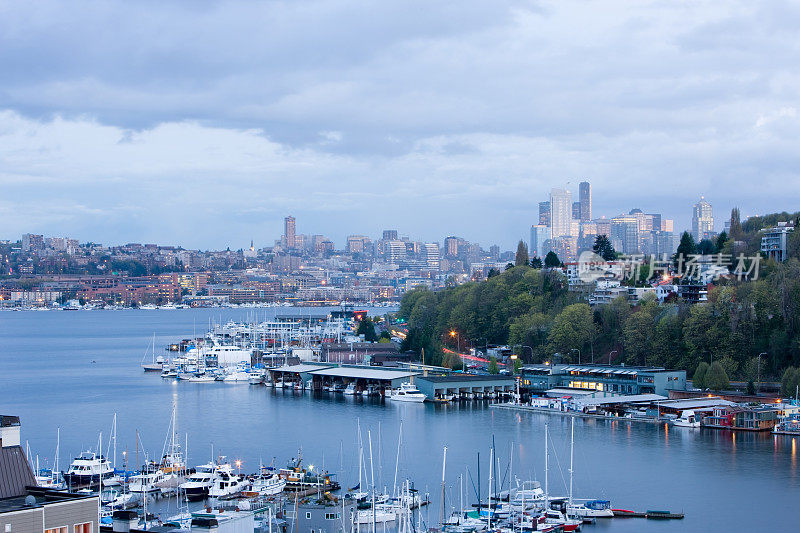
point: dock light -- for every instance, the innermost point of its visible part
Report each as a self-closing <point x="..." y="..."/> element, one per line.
<point x="453" y="333"/>
<point x="547" y="363"/>
<point x="310" y="467"/>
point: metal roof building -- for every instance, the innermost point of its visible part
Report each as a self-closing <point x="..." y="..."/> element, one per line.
<point x="464" y="386"/>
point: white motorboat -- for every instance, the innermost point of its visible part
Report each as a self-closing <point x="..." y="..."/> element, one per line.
<point x="237" y="376"/>
<point x="268" y="484"/>
<point x="688" y="419"/>
<point x="227" y="484"/>
<point x="350" y="390"/>
<point x="148" y="482"/>
<point x="590" y="509"/>
<point x="378" y="515"/>
<point x="407" y="393"/>
<point x="201" y="378"/>
<point x="196" y="487"/>
<point x="88" y="469"/>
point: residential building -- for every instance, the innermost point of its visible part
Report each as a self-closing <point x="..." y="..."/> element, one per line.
<point x="774" y="241"/>
<point x="289" y="232"/>
<point x="389" y="235"/>
<point x="431" y="253"/>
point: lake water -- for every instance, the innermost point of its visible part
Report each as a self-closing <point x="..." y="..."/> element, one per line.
<point x="74" y="370"/>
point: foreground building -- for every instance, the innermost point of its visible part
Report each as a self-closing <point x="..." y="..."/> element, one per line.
<point x="25" y="508"/>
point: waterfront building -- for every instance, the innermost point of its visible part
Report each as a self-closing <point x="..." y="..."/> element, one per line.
<point x="466" y="386"/>
<point x="560" y="212"/>
<point x="702" y="220"/>
<point x="538" y="379"/>
<point x="774" y="241"/>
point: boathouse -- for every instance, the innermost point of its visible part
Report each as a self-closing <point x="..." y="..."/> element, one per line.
<point x="456" y="386"/>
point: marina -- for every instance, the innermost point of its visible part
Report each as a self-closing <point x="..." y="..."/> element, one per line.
<point x="264" y="425"/>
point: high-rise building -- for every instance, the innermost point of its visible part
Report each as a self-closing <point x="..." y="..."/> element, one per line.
<point x="544" y="213"/>
<point x="585" y="201"/>
<point x="625" y="234"/>
<point x="395" y="251"/>
<point x="702" y="220"/>
<point x="289" y="232"/>
<point x="576" y="210"/>
<point x="451" y="246"/>
<point x="357" y="244"/>
<point x="431" y="251"/>
<point x="390" y="235"/>
<point x="538" y="245"/>
<point x="560" y="213"/>
<point x="494" y="251"/>
<point x="31" y="242"/>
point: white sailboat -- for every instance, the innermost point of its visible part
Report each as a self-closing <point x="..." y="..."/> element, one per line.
<point x="156" y="363"/>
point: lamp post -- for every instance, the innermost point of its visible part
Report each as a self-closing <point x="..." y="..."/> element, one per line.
<point x="454" y="333"/>
<point x="609" y="356"/>
<point x="579" y="354"/>
<point x="523" y="346"/>
<point x="759" y="371"/>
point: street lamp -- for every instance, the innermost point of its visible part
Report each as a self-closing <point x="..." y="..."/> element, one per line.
<point x="579" y="354"/>
<point x="454" y="333"/>
<point x="759" y="371"/>
<point x="609" y="356"/>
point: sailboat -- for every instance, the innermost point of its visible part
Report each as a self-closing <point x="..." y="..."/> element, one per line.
<point x="157" y="363"/>
<point x="589" y="508"/>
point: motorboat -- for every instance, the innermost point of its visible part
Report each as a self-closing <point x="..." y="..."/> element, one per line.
<point x="88" y="469"/>
<point x="688" y="419"/>
<point x="407" y="393"/>
<point x="268" y="483"/>
<point x="148" y="482"/>
<point x="350" y="390"/>
<point x="227" y="484"/>
<point x="590" y="509"/>
<point x="201" y="378"/>
<point x="197" y="485"/>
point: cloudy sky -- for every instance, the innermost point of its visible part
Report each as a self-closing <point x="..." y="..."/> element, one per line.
<point x="205" y="123"/>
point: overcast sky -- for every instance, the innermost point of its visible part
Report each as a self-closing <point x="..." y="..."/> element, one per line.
<point x="205" y="123"/>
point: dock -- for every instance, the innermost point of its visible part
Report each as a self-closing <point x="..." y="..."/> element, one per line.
<point x="650" y="514"/>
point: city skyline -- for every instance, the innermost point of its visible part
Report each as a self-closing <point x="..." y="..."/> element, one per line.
<point x="369" y="118"/>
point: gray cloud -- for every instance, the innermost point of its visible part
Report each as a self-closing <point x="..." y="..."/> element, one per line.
<point x="205" y="122"/>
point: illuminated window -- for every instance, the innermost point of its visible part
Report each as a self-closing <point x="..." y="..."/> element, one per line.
<point x="56" y="530"/>
<point x="86" y="527"/>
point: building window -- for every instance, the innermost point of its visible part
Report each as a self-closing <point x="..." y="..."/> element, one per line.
<point x="86" y="527"/>
<point x="56" y="530"/>
<point x="308" y="516"/>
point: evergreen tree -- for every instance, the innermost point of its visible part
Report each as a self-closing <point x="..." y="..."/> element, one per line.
<point x="551" y="260"/>
<point x="716" y="377"/>
<point x="367" y="328"/>
<point x="686" y="248"/>
<point x="493" y="368"/>
<point x="522" y="254"/>
<point x="699" y="378"/>
<point x="536" y="262"/>
<point x="736" y="224"/>
<point x="706" y="247"/>
<point x="723" y="237"/>
<point x="602" y="247"/>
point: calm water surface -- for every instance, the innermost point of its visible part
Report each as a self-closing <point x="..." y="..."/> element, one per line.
<point x="74" y="370"/>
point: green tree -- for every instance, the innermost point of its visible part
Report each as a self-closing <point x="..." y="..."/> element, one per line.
<point x="517" y="365"/>
<point x="522" y="254"/>
<point x="720" y="244"/>
<point x="492" y="273"/>
<point x="603" y="248"/>
<point x="573" y="328"/>
<point x="493" y="368"/>
<point x="367" y="328"/>
<point x="638" y="337"/>
<point x="751" y="388"/>
<point x="536" y="262"/>
<point x="716" y="377"/>
<point x="706" y="247"/>
<point x="793" y="244"/>
<point x="789" y="382"/>
<point x="699" y="378"/>
<point x="686" y="248"/>
<point x="736" y="224"/>
<point x="551" y="260"/>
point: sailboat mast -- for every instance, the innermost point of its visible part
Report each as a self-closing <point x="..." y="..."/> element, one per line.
<point x="444" y="463"/>
<point x="546" y="471"/>
<point x="571" y="454"/>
